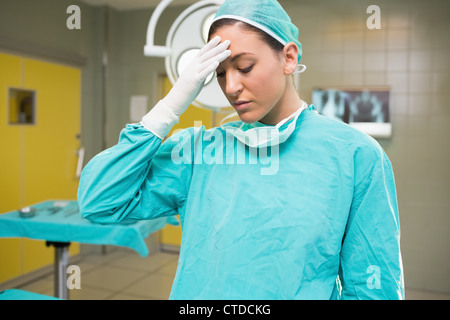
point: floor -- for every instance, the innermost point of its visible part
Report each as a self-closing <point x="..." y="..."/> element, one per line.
<point x="119" y="275"/>
<point x="124" y="275"/>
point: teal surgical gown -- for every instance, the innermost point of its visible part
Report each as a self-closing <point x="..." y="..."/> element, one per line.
<point x="315" y="218"/>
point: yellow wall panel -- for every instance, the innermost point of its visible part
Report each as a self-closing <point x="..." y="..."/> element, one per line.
<point x="10" y="141"/>
<point x="11" y="258"/>
<point x="10" y="249"/>
<point x="171" y="235"/>
<point x="36" y="255"/>
<point x="39" y="159"/>
<point x="52" y="143"/>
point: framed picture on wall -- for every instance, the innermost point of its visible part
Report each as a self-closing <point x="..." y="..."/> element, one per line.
<point x="366" y="109"/>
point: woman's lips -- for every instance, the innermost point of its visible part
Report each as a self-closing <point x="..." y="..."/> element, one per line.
<point x="241" y="105"/>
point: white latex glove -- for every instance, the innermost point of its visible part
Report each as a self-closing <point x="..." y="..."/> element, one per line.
<point x="166" y="113"/>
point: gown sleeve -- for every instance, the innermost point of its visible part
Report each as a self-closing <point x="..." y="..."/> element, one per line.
<point x="134" y="180"/>
<point x="371" y="265"/>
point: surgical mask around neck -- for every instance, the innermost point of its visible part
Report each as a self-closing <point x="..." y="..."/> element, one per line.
<point x="260" y="135"/>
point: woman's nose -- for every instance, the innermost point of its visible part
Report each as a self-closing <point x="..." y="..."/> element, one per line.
<point x="233" y="85"/>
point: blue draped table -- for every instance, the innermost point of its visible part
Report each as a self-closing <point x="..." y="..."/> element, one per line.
<point x="59" y="222"/>
<point x="14" y="294"/>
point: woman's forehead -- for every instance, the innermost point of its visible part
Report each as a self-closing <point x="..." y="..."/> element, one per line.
<point x="242" y="40"/>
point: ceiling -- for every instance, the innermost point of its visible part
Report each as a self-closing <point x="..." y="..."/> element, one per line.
<point x="134" y="4"/>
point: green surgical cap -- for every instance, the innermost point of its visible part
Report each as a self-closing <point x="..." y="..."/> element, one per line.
<point x="266" y="15"/>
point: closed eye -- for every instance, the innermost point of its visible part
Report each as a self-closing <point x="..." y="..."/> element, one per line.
<point x="246" y="70"/>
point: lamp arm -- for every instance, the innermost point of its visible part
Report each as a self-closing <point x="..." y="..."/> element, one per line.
<point x="150" y="49"/>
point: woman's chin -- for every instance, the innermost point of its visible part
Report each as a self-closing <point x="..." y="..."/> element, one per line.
<point x="248" y="117"/>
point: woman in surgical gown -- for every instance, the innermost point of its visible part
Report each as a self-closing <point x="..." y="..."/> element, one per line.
<point x="283" y="204"/>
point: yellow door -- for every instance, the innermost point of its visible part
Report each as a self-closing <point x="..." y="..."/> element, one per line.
<point x="40" y="153"/>
<point x="10" y="174"/>
<point x="171" y="235"/>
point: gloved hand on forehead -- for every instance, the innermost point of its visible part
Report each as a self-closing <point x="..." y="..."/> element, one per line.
<point x="191" y="81"/>
<point x="165" y="114"/>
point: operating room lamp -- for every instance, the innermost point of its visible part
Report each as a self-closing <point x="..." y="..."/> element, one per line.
<point x="187" y="35"/>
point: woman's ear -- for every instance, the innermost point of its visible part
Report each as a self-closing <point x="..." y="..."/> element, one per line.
<point x="290" y="54"/>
